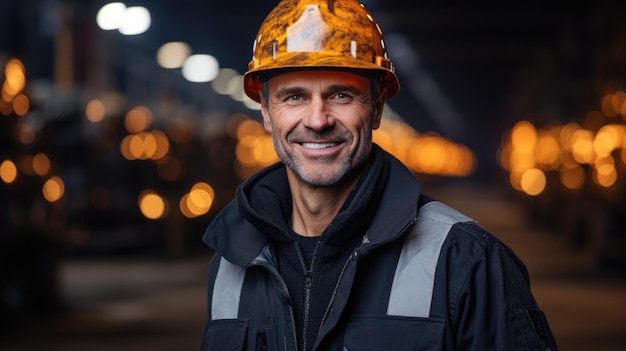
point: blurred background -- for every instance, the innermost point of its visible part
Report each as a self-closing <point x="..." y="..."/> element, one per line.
<point x="124" y="130"/>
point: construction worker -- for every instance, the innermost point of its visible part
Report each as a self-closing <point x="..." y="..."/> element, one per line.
<point x="335" y="247"/>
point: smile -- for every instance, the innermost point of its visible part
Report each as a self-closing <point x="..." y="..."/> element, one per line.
<point x="318" y="145"/>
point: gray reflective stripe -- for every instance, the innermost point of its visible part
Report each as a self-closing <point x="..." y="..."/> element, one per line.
<point x="227" y="290"/>
<point x="412" y="287"/>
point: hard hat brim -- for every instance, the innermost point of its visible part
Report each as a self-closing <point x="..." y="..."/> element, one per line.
<point x="315" y="61"/>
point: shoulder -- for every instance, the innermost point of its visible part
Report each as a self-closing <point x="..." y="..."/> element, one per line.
<point x="435" y="214"/>
<point x="465" y="247"/>
<point x="461" y="238"/>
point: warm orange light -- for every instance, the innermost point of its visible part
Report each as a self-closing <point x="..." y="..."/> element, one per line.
<point x="467" y="162"/>
<point x="137" y="147"/>
<point x="607" y="106"/>
<point x="533" y="182"/>
<point x="524" y="136"/>
<point x="572" y="176"/>
<point x="149" y="145"/>
<point x="381" y="138"/>
<point x="429" y="154"/>
<point x="244" y="152"/>
<point x="605" y="175"/>
<point x="515" y="178"/>
<point x="570" y="149"/>
<point x="15" y="76"/>
<point x="249" y="128"/>
<point x="567" y="135"/>
<point x="200" y="198"/>
<point x="125" y="147"/>
<point x="161" y="147"/>
<point x="145" y="145"/>
<point x="184" y="208"/>
<point x="138" y="119"/>
<point x="53" y="189"/>
<point x="95" y="110"/>
<point x="198" y="201"/>
<point x="41" y="164"/>
<point x="151" y="205"/>
<point x="548" y="151"/>
<point x="264" y="153"/>
<point x="21" y="105"/>
<point x="8" y="171"/>
<point x="609" y="138"/>
<point x="582" y="146"/>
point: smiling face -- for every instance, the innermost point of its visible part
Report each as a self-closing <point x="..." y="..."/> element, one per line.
<point x="321" y="123"/>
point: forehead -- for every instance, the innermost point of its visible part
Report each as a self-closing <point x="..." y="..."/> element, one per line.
<point x="311" y="78"/>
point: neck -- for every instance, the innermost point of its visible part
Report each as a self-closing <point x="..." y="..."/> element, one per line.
<point x="315" y="207"/>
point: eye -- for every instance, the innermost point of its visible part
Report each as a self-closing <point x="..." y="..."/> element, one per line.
<point x="294" y="98"/>
<point x="341" y="97"/>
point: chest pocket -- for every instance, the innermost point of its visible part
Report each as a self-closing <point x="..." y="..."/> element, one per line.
<point x="394" y="333"/>
<point x="225" y="335"/>
<point x="239" y="335"/>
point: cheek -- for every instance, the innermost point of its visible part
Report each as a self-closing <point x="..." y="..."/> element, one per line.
<point x="367" y="122"/>
<point x="282" y="121"/>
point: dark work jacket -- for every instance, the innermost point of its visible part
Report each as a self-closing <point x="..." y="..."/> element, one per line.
<point x="425" y="277"/>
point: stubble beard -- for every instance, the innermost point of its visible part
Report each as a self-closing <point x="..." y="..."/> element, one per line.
<point x="318" y="175"/>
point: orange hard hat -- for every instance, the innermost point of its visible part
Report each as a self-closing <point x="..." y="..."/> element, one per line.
<point x="314" y="34"/>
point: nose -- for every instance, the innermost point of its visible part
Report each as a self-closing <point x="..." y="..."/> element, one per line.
<point x="317" y="115"/>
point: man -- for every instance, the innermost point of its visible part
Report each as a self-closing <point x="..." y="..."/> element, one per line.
<point x="335" y="248"/>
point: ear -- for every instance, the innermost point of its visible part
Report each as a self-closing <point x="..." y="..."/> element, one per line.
<point x="378" y="107"/>
<point x="267" y="122"/>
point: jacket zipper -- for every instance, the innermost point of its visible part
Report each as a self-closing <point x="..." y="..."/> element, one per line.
<point x="334" y="295"/>
<point x="308" y="282"/>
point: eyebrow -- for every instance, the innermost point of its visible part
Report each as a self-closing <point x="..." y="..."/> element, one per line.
<point x="288" y="91"/>
<point x="343" y="87"/>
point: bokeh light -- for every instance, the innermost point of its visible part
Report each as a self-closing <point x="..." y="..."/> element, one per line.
<point x="111" y="15"/>
<point x="53" y="189"/>
<point x="41" y="164"/>
<point x="138" y="119"/>
<point x="21" y="105"/>
<point x="8" y="171"/>
<point x="152" y="205"/>
<point x="152" y="145"/>
<point x="200" y="68"/>
<point x="533" y="181"/>
<point x="136" y="20"/>
<point x="221" y="83"/>
<point x="198" y="201"/>
<point x="15" y="77"/>
<point x="130" y="20"/>
<point x="95" y="110"/>
<point x="173" y="54"/>
<point x="596" y="148"/>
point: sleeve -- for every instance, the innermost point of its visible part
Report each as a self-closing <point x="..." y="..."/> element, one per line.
<point x="212" y="274"/>
<point x="496" y="309"/>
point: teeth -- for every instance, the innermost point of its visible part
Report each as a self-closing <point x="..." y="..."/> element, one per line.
<point x="318" y="145"/>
